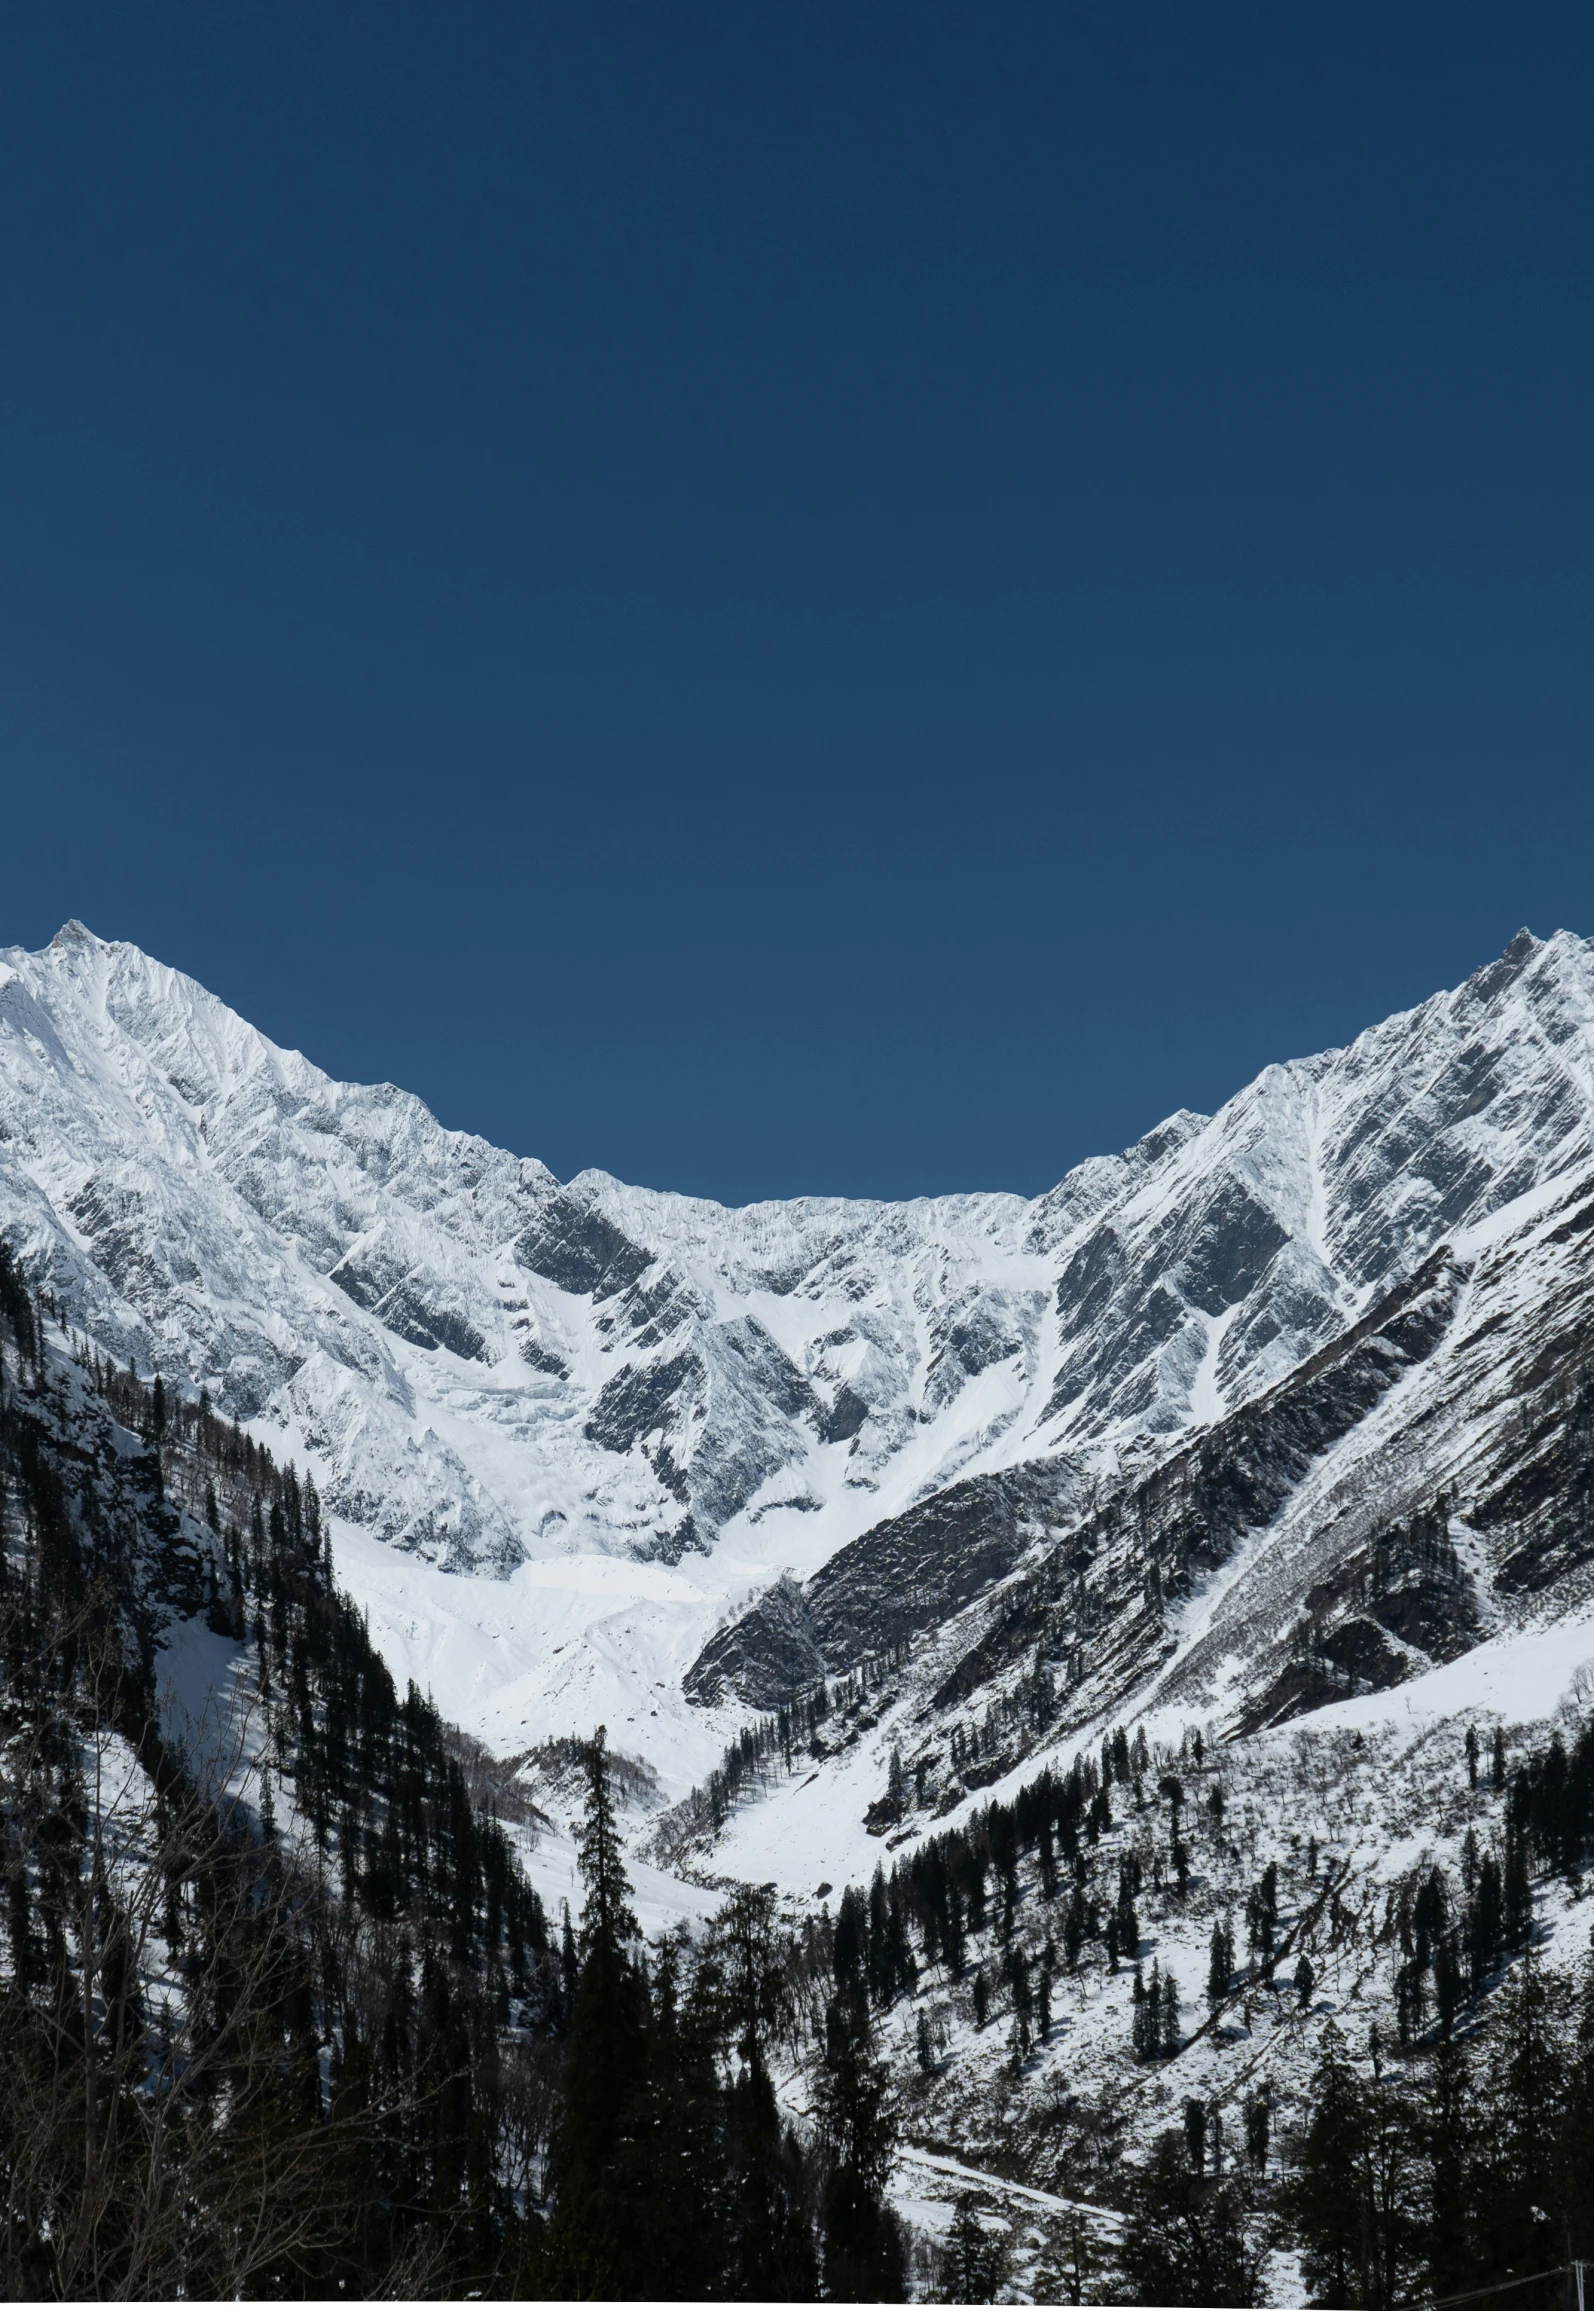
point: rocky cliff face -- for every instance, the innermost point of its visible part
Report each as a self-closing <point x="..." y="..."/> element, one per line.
<point x="1243" y="1288"/>
<point x="1256" y="1463"/>
<point x="1396" y="1539"/>
<point x="891" y="1407"/>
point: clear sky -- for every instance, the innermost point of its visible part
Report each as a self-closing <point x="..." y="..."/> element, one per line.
<point x="798" y="597"/>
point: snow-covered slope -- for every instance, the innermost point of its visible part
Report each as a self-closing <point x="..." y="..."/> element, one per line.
<point x="569" y="1430"/>
<point x="1303" y="1614"/>
<point x="1416" y="1496"/>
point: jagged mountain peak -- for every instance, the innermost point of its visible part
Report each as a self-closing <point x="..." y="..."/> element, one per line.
<point x="1281" y="1418"/>
<point x="493" y="1371"/>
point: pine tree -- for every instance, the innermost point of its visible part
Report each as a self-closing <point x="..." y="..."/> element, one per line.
<point x="1324" y="2200"/>
<point x="1527" y="2081"/>
<point x="1258" y="2116"/>
<point x="769" y="2245"/>
<point x="1189" y="2239"/>
<point x="1447" y="1982"/>
<point x="1579" y="2121"/>
<point x="1068" y="2262"/>
<point x="1517" y="1889"/>
<point x="1450" y="2126"/>
<point x="1169" y="2019"/>
<point x="595" y="2244"/>
<point x="1144" y="2013"/>
<point x="1220" y="1966"/>
<point x="672" y="2167"/>
<point x="1392" y="2189"/>
<point x="1485" y="1924"/>
<point x="746" y="1949"/>
<point x="607" y="1923"/>
<point x="974" y="2259"/>
<point x="569" y="1968"/>
<point x="862" y="2245"/>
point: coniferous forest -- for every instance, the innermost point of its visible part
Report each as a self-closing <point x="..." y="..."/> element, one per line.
<point x="281" y="2015"/>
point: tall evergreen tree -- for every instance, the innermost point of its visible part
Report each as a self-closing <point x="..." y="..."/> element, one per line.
<point x="974" y="2261"/>
<point x="1323" y="2202"/>
<point x="1220" y="1963"/>
<point x="1450" y="2246"/>
<point x="1579" y="2122"/>
<point x="672" y="2162"/>
<point x="769" y="2240"/>
<point x="1520" y="2186"/>
<point x="862" y="2242"/>
<point x="596" y="2245"/>
<point x="1354" y="2201"/>
<point x="1190" y="2238"/>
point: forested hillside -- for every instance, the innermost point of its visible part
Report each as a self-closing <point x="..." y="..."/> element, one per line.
<point x="279" y="2012"/>
<point x="281" y="2015"/>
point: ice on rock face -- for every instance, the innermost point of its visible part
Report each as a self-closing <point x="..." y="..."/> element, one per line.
<point x="491" y="1371"/>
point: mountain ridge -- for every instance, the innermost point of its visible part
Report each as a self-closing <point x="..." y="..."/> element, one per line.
<point x="494" y="1372"/>
<point x="1059" y="1578"/>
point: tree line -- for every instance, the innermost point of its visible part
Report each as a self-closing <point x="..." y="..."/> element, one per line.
<point x="280" y="2013"/>
<point x="1465" y="2170"/>
<point x="672" y="2172"/>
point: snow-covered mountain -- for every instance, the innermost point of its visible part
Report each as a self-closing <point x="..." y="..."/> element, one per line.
<point x="1256" y="1463"/>
<point x="568" y="1433"/>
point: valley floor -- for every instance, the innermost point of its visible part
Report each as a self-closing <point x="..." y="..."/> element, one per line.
<point x="1355" y="1807"/>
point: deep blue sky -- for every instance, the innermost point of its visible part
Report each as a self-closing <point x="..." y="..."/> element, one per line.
<point x="844" y="597"/>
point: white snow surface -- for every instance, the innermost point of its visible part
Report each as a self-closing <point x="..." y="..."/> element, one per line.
<point x="564" y="1431"/>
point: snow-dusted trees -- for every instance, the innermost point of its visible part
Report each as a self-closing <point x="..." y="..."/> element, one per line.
<point x="1191" y="2236"/>
<point x="234" y="2063"/>
<point x="1154" y="2029"/>
<point x="1220" y="1964"/>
